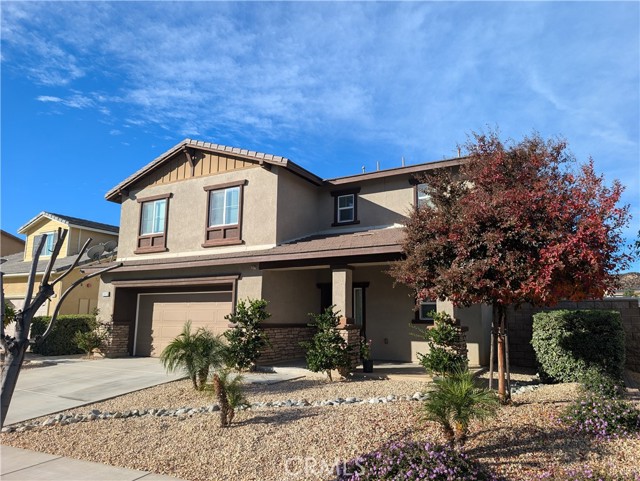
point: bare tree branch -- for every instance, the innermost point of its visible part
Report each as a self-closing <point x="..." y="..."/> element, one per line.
<point x="54" y="316"/>
<point x="75" y="263"/>
<point x="3" y="343"/>
<point x="62" y="234"/>
<point x="32" y="274"/>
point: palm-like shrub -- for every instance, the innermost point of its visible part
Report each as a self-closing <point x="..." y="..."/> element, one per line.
<point x="195" y="353"/>
<point x="455" y="402"/>
<point x="230" y="396"/>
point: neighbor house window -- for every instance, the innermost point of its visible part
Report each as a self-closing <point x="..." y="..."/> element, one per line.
<point x="47" y="250"/>
<point x="224" y="214"/>
<point x="425" y="311"/>
<point x="345" y="207"/>
<point x="152" y="236"/>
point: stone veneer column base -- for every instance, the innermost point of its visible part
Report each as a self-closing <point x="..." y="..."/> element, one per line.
<point x="119" y="343"/>
<point x="351" y="334"/>
<point x="285" y="343"/>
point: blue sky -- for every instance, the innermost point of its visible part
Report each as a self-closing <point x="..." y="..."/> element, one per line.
<point x="92" y="91"/>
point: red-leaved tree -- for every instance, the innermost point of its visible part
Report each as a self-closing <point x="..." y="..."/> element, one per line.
<point x="516" y="223"/>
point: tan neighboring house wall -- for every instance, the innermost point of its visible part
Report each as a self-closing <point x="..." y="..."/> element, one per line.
<point x="44" y="226"/>
<point x="10" y="244"/>
<point x="84" y="298"/>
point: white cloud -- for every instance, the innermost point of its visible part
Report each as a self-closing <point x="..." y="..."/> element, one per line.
<point x="48" y="98"/>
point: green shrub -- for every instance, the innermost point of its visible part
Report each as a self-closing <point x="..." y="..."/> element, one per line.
<point x="569" y="343"/>
<point x="95" y="338"/>
<point x="596" y="382"/>
<point x="245" y="339"/>
<point x="61" y="341"/>
<point x="327" y="349"/>
<point x="443" y="339"/>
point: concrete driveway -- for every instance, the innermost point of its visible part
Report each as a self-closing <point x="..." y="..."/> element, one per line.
<point x="75" y="381"/>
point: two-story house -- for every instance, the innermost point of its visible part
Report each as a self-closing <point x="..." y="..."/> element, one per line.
<point x="204" y="225"/>
<point x="84" y="298"/>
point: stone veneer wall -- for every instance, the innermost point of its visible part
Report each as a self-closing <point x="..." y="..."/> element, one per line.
<point x="351" y="334"/>
<point x="520" y="324"/>
<point x="285" y="343"/>
<point x="119" y="345"/>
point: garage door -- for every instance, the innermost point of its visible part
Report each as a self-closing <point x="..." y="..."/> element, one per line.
<point x="161" y="317"/>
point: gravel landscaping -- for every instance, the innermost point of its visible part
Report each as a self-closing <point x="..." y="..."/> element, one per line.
<point x="304" y="441"/>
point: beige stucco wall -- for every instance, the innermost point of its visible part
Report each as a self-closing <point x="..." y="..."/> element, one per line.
<point x="249" y="284"/>
<point x="380" y="202"/>
<point x="297" y="211"/>
<point x="42" y="226"/>
<point x="292" y="295"/>
<point x="10" y="245"/>
<point x="478" y="319"/>
<point x="188" y="210"/>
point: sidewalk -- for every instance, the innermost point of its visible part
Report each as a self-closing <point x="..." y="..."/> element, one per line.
<point x="23" y="465"/>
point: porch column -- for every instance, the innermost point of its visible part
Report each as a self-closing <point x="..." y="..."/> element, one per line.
<point x="342" y="293"/>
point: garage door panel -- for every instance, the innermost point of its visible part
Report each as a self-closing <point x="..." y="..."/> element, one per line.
<point x="161" y="317"/>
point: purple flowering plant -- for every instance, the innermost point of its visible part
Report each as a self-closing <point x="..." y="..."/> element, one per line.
<point x="602" y="417"/>
<point x="412" y="460"/>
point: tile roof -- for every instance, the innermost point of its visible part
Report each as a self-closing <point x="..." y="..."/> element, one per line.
<point x="75" y="221"/>
<point x="318" y="246"/>
<point x="224" y="149"/>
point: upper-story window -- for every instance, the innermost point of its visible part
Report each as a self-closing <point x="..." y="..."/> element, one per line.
<point x="224" y="214"/>
<point x="47" y="250"/>
<point x="422" y="196"/>
<point x="345" y="207"/>
<point x="154" y="216"/>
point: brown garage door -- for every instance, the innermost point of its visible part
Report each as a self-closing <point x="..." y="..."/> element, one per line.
<point x="161" y="317"/>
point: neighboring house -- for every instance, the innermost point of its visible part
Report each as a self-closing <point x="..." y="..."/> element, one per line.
<point x="10" y="244"/>
<point x="84" y="298"/>
<point x="204" y="225"/>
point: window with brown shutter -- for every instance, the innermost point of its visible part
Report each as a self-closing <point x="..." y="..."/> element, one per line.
<point x="224" y="214"/>
<point x="154" y="218"/>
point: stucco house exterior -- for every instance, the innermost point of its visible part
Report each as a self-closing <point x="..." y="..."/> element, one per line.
<point x="10" y="244"/>
<point x="83" y="299"/>
<point x="203" y="226"/>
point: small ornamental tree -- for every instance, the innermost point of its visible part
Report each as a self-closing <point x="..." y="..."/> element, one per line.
<point x="514" y="223"/>
<point x="246" y="339"/>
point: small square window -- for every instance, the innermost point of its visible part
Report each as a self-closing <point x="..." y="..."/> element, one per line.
<point x="424" y="311"/>
<point x="345" y="207"/>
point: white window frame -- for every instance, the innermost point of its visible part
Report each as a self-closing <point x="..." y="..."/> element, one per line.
<point x="351" y="208"/>
<point x="423" y="197"/>
<point x="423" y="304"/>
<point x="224" y="206"/>
<point x="47" y="250"/>
<point x="155" y="203"/>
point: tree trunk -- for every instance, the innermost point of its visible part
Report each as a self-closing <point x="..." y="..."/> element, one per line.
<point x="10" y="372"/>
<point x="225" y="410"/>
<point x="493" y="346"/>
<point x="502" y="319"/>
